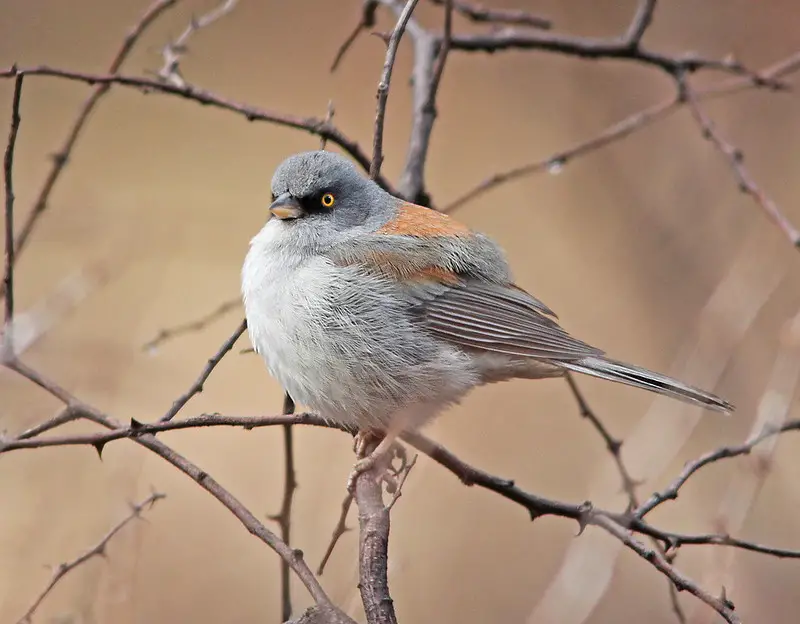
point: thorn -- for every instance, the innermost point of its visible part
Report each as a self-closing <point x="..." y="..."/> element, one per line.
<point x="382" y="36"/>
<point x="586" y="510"/>
<point x="98" y="446"/>
<point x="725" y="600"/>
<point x="135" y="424"/>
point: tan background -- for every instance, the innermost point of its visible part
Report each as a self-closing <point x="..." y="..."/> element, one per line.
<point x="159" y="202"/>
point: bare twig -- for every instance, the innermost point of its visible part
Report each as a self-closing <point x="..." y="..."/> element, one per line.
<point x="62" y="156"/>
<point x="367" y="20"/>
<point x="627" y="126"/>
<point x="65" y="415"/>
<point x="192" y="326"/>
<point x="613" y="444"/>
<point x="735" y="158"/>
<point x="197" y="386"/>
<point x="323" y="142"/>
<point x="174" y="50"/>
<point x="31" y="439"/>
<point x="313" y="125"/>
<point x="398" y="490"/>
<point x="7" y="348"/>
<point x="284" y="516"/>
<point x="430" y="56"/>
<point x="721" y="604"/>
<point x="383" y="87"/>
<point x="98" y="550"/>
<point x="671" y="491"/>
<point x="479" y="13"/>
<point x="618" y="48"/>
<point x="614" y="447"/>
<point x="340" y="529"/>
<point x="556" y="162"/>
<point x="641" y="21"/>
<point x="441" y="59"/>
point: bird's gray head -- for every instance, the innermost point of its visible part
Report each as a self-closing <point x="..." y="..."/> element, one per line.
<point x="315" y="188"/>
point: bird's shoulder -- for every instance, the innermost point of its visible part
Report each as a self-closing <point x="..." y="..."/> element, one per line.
<point x="418" y="221"/>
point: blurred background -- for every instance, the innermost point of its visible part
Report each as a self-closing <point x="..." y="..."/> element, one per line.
<point x="645" y="248"/>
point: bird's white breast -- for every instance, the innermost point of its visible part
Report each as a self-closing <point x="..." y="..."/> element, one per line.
<point x="279" y="299"/>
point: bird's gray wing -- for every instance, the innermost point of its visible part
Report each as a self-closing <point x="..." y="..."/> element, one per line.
<point x="498" y="318"/>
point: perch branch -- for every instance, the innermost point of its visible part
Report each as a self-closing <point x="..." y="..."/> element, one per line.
<point x="373" y="548"/>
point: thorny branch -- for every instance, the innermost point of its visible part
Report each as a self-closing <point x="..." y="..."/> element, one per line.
<point x="98" y="550"/>
<point x="293" y="557"/>
<point x="469" y="475"/>
<point x="313" y="125"/>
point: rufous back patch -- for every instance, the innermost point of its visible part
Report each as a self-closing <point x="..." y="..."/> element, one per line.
<point x="413" y="220"/>
<point x="394" y="265"/>
<point x="437" y="274"/>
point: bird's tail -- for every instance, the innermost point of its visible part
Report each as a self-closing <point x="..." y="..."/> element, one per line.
<point x="648" y="380"/>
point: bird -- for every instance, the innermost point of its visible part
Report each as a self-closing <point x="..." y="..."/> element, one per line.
<point x="378" y="313"/>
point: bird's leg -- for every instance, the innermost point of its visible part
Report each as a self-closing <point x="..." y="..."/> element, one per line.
<point x="365" y="439"/>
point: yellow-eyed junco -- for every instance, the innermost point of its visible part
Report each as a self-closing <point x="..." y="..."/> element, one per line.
<point x="377" y="313"/>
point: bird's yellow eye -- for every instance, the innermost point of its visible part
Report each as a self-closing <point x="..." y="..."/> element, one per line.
<point x="328" y="200"/>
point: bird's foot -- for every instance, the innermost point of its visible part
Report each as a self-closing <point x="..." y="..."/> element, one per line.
<point x="363" y="439"/>
<point x="382" y="453"/>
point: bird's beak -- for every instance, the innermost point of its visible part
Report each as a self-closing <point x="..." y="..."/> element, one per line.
<point x="286" y="207"/>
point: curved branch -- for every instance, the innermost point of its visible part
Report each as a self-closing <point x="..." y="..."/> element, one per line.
<point x="313" y="125"/>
